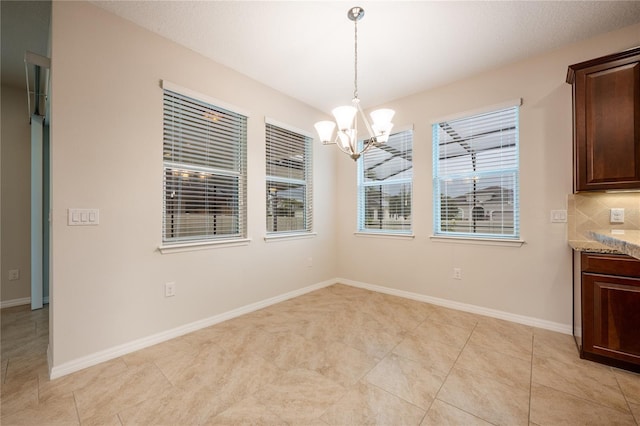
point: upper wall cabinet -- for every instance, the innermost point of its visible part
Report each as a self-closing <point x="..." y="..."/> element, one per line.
<point x="606" y="119"/>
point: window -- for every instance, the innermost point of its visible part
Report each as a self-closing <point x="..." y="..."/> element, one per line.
<point x="204" y="171"/>
<point x="475" y="175"/>
<point x="385" y="175"/>
<point x="288" y="180"/>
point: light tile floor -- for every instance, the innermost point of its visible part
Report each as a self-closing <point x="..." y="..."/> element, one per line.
<point x="337" y="356"/>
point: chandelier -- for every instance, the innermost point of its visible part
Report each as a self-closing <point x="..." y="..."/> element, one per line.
<point x="346" y="116"/>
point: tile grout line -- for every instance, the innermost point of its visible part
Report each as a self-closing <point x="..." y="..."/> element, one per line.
<point x="75" y="404"/>
<point x="585" y="399"/>
<point x="347" y="388"/>
<point x="362" y="378"/>
<point x="397" y="396"/>
<point x="263" y="357"/>
<point x="390" y="352"/>
<point x="6" y="372"/>
<point x="582" y="397"/>
<point x="624" y="395"/>
<point x="447" y="376"/>
<point x="38" y="387"/>
<point x="533" y="340"/>
<point x="436" y="394"/>
<point x="449" y="372"/>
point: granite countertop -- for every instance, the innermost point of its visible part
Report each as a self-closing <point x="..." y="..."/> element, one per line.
<point x="592" y="246"/>
<point x="625" y="241"/>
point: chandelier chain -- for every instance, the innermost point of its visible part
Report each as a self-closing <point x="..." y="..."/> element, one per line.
<point x="355" y="64"/>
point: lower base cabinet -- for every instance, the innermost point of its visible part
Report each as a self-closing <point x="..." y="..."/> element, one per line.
<point x="610" y="310"/>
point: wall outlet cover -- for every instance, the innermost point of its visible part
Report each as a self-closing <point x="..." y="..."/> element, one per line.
<point x="170" y="289"/>
<point x="616" y="216"/>
<point x="457" y="273"/>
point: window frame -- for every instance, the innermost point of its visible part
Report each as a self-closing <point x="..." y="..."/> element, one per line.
<point x="478" y="237"/>
<point x="239" y="172"/>
<point x="307" y="182"/>
<point x="361" y="228"/>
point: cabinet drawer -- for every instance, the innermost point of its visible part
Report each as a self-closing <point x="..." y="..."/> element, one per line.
<point x="611" y="264"/>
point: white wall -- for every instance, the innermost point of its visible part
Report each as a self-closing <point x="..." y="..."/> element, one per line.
<point x="108" y="280"/>
<point x="16" y="199"/>
<point x="533" y="280"/>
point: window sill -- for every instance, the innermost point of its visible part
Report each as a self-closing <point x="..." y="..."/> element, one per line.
<point x="477" y="241"/>
<point x="384" y="235"/>
<point x="202" y="245"/>
<point x="272" y="238"/>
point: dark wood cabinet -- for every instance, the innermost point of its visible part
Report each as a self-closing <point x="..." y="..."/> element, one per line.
<point x="606" y="119"/>
<point x="611" y="309"/>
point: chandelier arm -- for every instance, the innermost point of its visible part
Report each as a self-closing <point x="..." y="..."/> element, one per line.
<point x="366" y="122"/>
<point x="353" y="145"/>
<point x="368" y="144"/>
<point x="336" y="141"/>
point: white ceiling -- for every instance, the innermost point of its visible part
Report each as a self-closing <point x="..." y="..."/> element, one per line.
<point x="305" y="48"/>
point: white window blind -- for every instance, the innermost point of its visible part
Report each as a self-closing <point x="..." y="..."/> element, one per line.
<point x="385" y="186"/>
<point x="475" y="175"/>
<point x="289" y="201"/>
<point x="204" y="171"/>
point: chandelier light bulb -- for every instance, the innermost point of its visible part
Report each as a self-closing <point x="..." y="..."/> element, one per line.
<point x="325" y="130"/>
<point x="382" y="116"/>
<point x="344" y="116"/>
<point x="382" y="131"/>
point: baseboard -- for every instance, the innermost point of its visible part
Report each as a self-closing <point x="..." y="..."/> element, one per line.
<point x="20" y="302"/>
<point x="494" y="313"/>
<point x="120" y="350"/>
<point x="15" y="302"/>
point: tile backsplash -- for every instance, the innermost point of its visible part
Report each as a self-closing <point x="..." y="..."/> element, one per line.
<point x="589" y="211"/>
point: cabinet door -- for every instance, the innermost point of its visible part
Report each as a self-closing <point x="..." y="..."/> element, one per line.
<point x="607" y="125"/>
<point x="611" y="316"/>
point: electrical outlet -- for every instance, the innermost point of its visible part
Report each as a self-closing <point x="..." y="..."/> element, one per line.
<point x="170" y="289"/>
<point x="457" y="273"/>
<point x="616" y="216"/>
<point x="14" y="274"/>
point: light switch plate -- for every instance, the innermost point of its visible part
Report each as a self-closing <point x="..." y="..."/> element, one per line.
<point x="617" y="216"/>
<point x="558" y="216"/>
<point x="14" y="274"/>
<point x="83" y="217"/>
